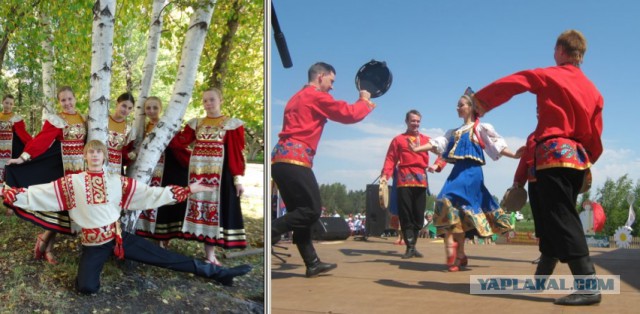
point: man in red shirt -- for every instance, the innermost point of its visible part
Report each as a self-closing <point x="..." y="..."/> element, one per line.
<point x="568" y="142"/>
<point x="305" y="115"/>
<point x="411" y="179"/>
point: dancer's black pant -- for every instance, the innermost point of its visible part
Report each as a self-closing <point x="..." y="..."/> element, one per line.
<point x="411" y="205"/>
<point x="558" y="224"/>
<point x="136" y="249"/>
<point x="301" y="195"/>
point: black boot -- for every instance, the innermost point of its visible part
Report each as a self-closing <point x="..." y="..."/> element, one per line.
<point x="302" y="239"/>
<point x="316" y="268"/>
<point x="416" y="233"/>
<point x="546" y="265"/>
<point x="410" y="241"/>
<point x="223" y="275"/>
<point x="581" y="267"/>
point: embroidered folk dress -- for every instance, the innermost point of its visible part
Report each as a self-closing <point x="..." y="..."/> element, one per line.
<point x="464" y="203"/>
<point x="165" y="223"/>
<point x="119" y="144"/>
<point x="215" y="218"/>
<point x="56" y="151"/>
<point x="13" y="138"/>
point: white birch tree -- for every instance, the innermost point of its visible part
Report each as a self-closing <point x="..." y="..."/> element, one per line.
<point x="171" y="121"/>
<point x="149" y="68"/>
<point x="101" y="60"/>
<point x="48" y="82"/>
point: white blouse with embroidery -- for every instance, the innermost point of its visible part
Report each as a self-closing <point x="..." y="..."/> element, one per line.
<point x="94" y="200"/>
<point x="494" y="143"/>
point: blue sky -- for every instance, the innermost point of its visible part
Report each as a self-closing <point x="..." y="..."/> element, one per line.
<point x="435" y="49"/>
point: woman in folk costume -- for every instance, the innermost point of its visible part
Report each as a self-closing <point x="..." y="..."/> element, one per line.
<point x="215" y="218"/>
<point x="95" y="199"/>
<point x="120" y="139"/>
<point x="465" y="204"/>
<point x="172" y="169"/>
<point x="13" y="136"/>
<point x="62" y="134"/>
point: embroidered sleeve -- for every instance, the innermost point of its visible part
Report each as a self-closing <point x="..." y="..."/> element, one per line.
<point x="54" y="196"/>
<point x="138" y="196"/>
<point x="10" y="194"/>
<point x="65" y="194"/>
<point x="440" y="163"/>
<point x="180" y="194"/>
<point x="128" y="188"/>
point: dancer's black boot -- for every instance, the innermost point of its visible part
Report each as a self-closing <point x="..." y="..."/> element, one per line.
<point x="410" y="241"/>
<point x="223" y="275"/>
<point x="583" y="267"/>
<point x="315" y="267"/>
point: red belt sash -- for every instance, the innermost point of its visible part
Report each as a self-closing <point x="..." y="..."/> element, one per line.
<point x="559" y="152"/>
<point x="293" y="152"/>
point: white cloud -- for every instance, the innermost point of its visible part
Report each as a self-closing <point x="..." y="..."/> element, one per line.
<point x="278" y="102"/>
<point x="613" y="164"/>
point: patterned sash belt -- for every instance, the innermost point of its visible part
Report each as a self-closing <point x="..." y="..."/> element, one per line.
<point x="102" y="235"/>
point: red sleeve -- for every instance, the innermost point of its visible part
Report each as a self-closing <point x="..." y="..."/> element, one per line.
<point x="526" y="161"/>
<point x="341" y="111"/>
<point x="41" y="142"/>
<point x="593" y="144"/>
<point x="21" y="130"/>
<point x="234" y="145"/>
<point x="179" y="145"/>
<point x="440" y="162"/>
<point x="520" y="176"/>
<point x="126" y="149"/>
<point x="390" y="160"/>
<point x="182" y="154"/>
<point x="183" y="138"/>
<point x="502" y="90"/>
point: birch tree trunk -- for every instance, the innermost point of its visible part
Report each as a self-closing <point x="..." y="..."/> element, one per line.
<point x="153" y="45"/>
<point x="155" y="143"/>
<point x="48" y="84"/>
<point x="101" y="61"/>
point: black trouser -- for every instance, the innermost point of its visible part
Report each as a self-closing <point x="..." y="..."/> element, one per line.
<point x="411" y="205"/>
<point x="301" y="195"/>
<point x="557" y="222"/>
<point x="535" y="212"/>
<point x="136" y="249"/>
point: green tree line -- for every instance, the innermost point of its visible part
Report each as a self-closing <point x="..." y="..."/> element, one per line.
<point x="612" y="196"/>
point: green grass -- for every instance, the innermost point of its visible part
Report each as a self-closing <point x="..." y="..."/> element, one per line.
<point x="31" y="286"/>
<point x="524" y="226"/>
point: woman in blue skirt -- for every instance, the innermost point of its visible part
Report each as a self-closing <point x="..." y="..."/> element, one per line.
<point x="465" y="205"/>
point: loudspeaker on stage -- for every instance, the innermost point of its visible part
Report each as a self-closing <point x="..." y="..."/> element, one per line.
<point x="330" y="228"/>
